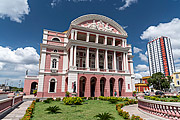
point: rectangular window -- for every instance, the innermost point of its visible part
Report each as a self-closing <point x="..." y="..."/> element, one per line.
<point x="177" y="76"/>
<point x="128" y="86"/>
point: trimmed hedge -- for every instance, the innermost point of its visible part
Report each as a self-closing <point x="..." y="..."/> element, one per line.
<point x="158" y="98"/>
<point x="72" y="100"/>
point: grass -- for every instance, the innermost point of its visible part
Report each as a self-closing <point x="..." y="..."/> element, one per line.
<point x="75" y="112"/>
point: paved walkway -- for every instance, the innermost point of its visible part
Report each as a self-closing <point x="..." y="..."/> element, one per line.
<point x="18" y="112"/>
<point x="133" y="109"/>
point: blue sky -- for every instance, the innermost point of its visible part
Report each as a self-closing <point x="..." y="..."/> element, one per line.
<point x="22" y="23"/>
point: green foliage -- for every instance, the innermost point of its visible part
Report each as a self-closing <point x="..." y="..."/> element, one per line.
<point x="46" y="101"/>
<point x="67" y="93"/>
<point x="37" y="100"/>
<point x="159" y="81"/>
<point x="53" y="109"/>
<point x="58" y="99"/>
<point x="95" y="98"/>
<point x="133" y="117"/>
<point x="50" y="99"/>
<point x="90" y="98"/>
<point x="72" y="100"/>
<point x="113" y="101"/>
<point x="104" y="116"/>
<point x="125" y="115"/>
<point x="34" y="91"/>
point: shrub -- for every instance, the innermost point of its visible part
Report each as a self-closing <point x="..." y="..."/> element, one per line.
<point x="58" y="99"/>
<point x="53" y="109"/>
<point x="50" y="99"/>
<point x="126" y="103"/>
<point x="125" y="115"/>
<point x="120" y="111"/>
<point x="171" y="100"/>
<point x="67" y="94"/>
<point x="37" y="100"/>
<point x="46" y="101"/>
<point x="119" y="106"/>
<point x="72" y="100"/>
<point x="95" y="98"/>
<point x="157" y="99"/>
<point x="174" y="96"/>
<point x="152" y="98"/>
<point x="104" y="116"/>
<point x="120" y="99"/>
<point x="133" y="117"/>
<point x="176" y="100"/>
<point x="34" y="91"/>
<point x="126" y="99"/>
<point x="90" y="98"/>
<point x="113" y="101"/>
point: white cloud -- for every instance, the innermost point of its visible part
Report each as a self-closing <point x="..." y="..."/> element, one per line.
<point x="141" y="68"/>
<point x="14" y="9"/>
<point x="127" y="4"/>
<point x="141" y="71"/>
<point x="136" y="50"/>
<point x="14" y="63"/>
<point x="55" y="2"/>
<point x="143" y="57"/>
<point x="171" y="30"/>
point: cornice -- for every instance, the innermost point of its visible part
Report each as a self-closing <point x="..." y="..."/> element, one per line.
<point x="96" y="45"/>
<point x="53" y="46"/>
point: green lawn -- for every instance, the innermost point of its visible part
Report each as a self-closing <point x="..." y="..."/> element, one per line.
<point x="78" y="112"/>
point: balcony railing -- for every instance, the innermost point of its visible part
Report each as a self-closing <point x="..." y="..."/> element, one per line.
<point x="81" y="68"/>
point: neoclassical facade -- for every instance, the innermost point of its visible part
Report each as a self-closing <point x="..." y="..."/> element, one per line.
<point x="91" y="59"/>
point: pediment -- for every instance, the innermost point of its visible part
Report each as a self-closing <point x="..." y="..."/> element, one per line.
<point x="99" y="22"/>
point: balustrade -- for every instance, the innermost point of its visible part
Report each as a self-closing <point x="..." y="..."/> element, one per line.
<point x="168" y="110"/>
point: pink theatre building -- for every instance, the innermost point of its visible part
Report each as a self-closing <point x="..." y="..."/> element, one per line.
<point x="91" y="59"/>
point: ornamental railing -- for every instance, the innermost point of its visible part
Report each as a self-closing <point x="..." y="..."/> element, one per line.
<point x="168" y="110"/>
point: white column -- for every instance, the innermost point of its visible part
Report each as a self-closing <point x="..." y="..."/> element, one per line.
<point x="115" y="68"/>
<point x="87" y="58"/>
<point x="114" y="41"/>
<point x="127" y="68"/>
<point x="75" y="35"/>
<point x="125" y="42"/>
<point x="106" y="60"/>
<point x="97" y="59"/>
<point x="75" y="55"/>
<point x="87" y="37"/>
<point x="124" y="63"/>
<point x="122" y="42"/>
<point x="105" y="40"/>
<point x="97" y="38"/>
<point x="72" y="34"/>
<point x="71" y="56"/>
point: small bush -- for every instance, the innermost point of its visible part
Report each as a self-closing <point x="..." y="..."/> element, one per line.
<point x="72" y="100"/>
<point x="119" y="106"/>
<point x="90" y="98"/>
<point x="126" y="103"/>
<point x="113" y="101"/>
<point x="104" y="116"/>
<point x="157" y="99"/>
<point x="58" y="99"/>
<point x="46" y="101"/>
<point x="174" y="96"/>
<point x="95" y="98"/>
<point x="53" y="109"/>
<point x="125" y="115"/>
<point x="133" y="117"/>
<point x="37" y="100"/>
<point x="120" y="99"/>
<point x="50" y="99"/>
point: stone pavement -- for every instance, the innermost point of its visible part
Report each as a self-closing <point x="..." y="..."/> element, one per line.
<point x="18" y="112"/>
<point x="133" y="109"/>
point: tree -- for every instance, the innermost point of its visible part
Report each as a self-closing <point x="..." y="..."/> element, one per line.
<point x="159" y="81"/>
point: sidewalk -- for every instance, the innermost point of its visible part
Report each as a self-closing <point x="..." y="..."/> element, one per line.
<point x="18" y="112"/>
<point x="133" y="109"/>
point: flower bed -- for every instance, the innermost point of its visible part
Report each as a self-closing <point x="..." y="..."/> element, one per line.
<point x="72" y="100"/>
<point x="29" y="111"/>
<point x="122" y="113"/>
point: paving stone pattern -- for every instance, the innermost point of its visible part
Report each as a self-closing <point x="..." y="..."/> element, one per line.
<point x="18" y="112"/>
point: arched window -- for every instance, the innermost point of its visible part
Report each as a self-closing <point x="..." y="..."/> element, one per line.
<point x="54" y="61"/>
<point x="56" y="39"/>
<point x="55" y="50"/>
<point x="52" y="85"/>
<point x="178" y="82"/>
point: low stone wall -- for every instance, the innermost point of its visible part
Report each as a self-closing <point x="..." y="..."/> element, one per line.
<point x="168" y="110"/>
<point x="8" y="104"/>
